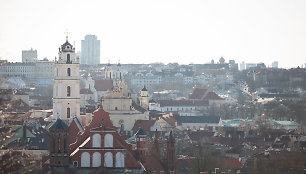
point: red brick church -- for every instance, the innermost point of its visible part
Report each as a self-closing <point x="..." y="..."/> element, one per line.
<point x="99" y="148"/>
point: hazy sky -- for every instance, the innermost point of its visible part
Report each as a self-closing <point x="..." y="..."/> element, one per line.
<point x="146" y="31"/>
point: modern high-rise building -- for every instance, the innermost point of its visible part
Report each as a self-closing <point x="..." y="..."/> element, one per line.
<point x="90" y="50"/>
<point x="242" y="66"/>
<point x="275" y="64"/>
<point x="29" y="55"/>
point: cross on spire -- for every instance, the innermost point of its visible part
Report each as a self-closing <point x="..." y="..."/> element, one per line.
<point x="67" y="33"/>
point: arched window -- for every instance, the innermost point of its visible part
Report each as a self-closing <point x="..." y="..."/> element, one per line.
<point x="119" y="159"/>
<point x="68" y="72"/>
<point x="96" y="140"/>
<point x="108" y="159"/>
<point x="68" y="91"/>
<point x="68" y="58"/>
<point x="85" y="159"/>
<point x="96" y="159"/>
<point x="68" y="112"/>
<point x="108" y="140"/>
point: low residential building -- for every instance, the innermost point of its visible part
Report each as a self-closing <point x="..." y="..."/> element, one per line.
<point x="199" y="122"/>
<point x="183" y="105"/>
<point x="206" y="94"/>
<point x="148" y="79"/>
<point x="149" y="126"/>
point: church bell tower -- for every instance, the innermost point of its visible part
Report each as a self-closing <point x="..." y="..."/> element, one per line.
<point x="66" y="86"/>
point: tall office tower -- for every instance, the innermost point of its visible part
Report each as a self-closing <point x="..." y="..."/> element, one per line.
<point x="275" y="64"/>
<point x="29" y="55"/>
<point x="242" y="66"/>
<point x="66" y="86"/>
<point x="90" y="50"/>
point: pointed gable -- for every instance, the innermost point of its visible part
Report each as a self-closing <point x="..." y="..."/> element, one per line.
<point x="145" y="125"/>
<point x="74" y="128"/>
<point x="212" y="96"/>
<point x="99" y="117"/>
<point x="198" y="94"/>
<point x="59" y="125"/>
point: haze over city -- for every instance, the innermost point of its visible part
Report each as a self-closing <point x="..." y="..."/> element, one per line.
<point x="160" y="31"/>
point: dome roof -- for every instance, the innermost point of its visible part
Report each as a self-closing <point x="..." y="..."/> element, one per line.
<point x="144" y="89"/>
<point x="66" y="46"/>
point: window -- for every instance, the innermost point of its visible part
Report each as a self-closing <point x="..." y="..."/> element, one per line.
<point x="68" y="112"/>
<point x="119" y="159"/>
<point x="108" y="159"/>
<point x="68" y="91"/>
<point x="68" y="58"/>
<point x="96" y="140"/>
<point x="108" y="140"/>
<point x="75" y="163"/>
<point x="96" y="159"/>
<point x="85" y="159"/>
<point x="68" y="72"/>
<point x="116" y="108"/>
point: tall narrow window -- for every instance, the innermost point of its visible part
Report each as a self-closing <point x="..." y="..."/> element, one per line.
<point x="56" y="71"/>
<point x="68" y="91"/>
<point x="68" y="72"/>
<point x="68" y="112"/>
<point x="68" y="58"/>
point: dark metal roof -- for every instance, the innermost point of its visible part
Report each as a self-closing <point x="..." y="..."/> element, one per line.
<point x="66" y="44"/>
<point x="59" y="124"/>
<point x="144" y="89"/>
<point x="140" y="132"/>
<point x="199" y="119"/>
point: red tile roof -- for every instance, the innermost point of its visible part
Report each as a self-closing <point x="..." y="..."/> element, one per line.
<point x="143" y="124"/>
<point x="19" y="106"/>
<point x="198" y="93"/>
<point x="170" y="120"/>
<point x="212" y="96"/>
<point x="203" y="94"/>
<point x="85" y="91"/>
<point x="103" y="85"/>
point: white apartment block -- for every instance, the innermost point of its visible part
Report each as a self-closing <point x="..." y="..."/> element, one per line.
<point x="148" y="79"/>
<point x="29" y="70"/>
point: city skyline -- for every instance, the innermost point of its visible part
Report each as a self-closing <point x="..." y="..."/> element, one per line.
<point x="172" y="31"/>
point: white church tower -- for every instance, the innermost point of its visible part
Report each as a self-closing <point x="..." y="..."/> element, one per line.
<point x="66" y="86"/>
<point x="144" y="98"/>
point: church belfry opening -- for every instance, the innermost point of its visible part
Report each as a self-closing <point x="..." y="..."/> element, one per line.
<point x="68" y="72"/>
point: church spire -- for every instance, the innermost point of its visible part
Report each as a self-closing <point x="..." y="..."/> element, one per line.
<point x="67" y="33"/>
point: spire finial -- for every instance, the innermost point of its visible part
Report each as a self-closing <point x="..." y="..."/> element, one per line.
<point x="67" y="33"/>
